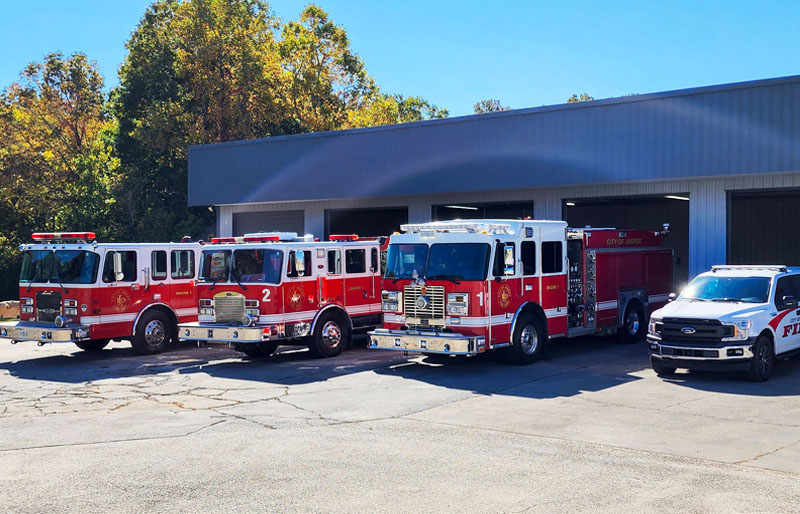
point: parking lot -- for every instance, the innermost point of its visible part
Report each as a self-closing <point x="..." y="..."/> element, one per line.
<point x="589" y="429"/>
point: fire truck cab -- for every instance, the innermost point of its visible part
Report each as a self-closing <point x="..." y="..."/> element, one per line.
<point x="266" y="289"/>
<point x="466" y="287"/>
<point x="76" y="290"/>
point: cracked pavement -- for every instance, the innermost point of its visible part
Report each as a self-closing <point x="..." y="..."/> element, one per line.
<point x="590" y="429"/>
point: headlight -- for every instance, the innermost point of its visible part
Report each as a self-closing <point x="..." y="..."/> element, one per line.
<point x="26" y="309"/>
<point x="70" y="311"/>
<point x="251" y="304"/>
<point x="205" y="302"/>
<point x="70" y="303"/>
<point x="206" y="311"/>
<point x="253" y="312"/>
<point x="654" y="327"/>
<point x="26" y="301"/>
<point x="458" y="304"/>
<point x="390" y="301"/>
<point x="741" y="330"/>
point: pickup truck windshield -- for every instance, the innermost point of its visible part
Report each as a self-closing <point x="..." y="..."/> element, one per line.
<point x="727" y="289"/>
<point x="442" y="261"/>
<point x="215" y="266"/>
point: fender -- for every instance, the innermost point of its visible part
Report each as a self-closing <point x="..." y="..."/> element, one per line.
<point x="516" y="315"/>
<point x="628" y="296"/>
<point x="148" y="307"/>
<point x="328" y="307"/>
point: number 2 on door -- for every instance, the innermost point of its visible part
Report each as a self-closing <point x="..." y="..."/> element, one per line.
<point x="266" y="295"/>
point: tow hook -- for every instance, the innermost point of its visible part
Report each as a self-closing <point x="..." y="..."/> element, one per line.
<point x="13" y="341"/>
<point x="41" y="343"/>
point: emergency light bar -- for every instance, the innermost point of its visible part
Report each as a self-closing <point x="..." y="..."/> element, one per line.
<point x="264" y="237"/>
<point x="261" y="239"/>
<point x="63" y="236"/>
<point x="778" y="267"/>
<point x="343" y="237"/>
<point x="472" y="228"/>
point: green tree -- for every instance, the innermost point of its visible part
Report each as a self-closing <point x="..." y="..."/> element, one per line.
<point x="490" y="105"/>
<point x="582" y="98"/>
<point x="57" y="167"/>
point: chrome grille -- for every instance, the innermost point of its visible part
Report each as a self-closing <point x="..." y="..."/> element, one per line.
<point x="435" y="308"/>
<point x="48" y="305"/>
<point x="228" y="309"/>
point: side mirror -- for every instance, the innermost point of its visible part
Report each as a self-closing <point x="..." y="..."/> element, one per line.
<point x="672" y="297"/>
<point x="789" y="302"/>
<point x="118" y="274"/>
<point x="300" y="262"/>
<point x="508" y="260"/>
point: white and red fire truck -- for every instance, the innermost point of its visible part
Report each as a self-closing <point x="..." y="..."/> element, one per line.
<point x="76" y="290"/>
<point x="272" y="288"/>
<point x="465" y="287"/>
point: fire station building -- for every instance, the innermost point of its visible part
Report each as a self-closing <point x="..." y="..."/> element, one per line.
<point x="720" y="164"/>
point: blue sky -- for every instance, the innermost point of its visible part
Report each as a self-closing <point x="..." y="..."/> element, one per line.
<point x="454" y="53"/>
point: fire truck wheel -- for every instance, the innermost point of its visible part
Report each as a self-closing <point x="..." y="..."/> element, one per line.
<point x="331" y="335"/>
<point x="528" y="339"/>
<point x="634" y="324"/>
<point x="763" y="360"/>
<point x="94" y="345"/>
<point x="660" y="368"/>
<point x="263" y="349"/>
<point x="153" y="333"/>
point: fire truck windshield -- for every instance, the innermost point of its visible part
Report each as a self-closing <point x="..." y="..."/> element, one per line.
<point x="727" y="289"/>
<point x="65" y="266"/>
<point x="259" y="265"/>
<point x="215" y="266"/>
<point x="444" y="261"/>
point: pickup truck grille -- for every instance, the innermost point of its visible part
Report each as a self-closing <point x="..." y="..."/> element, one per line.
<point x="706" y="331"/>
<point x="434" y="308"/>
<point x="48" y="305"/>
<point x="228" y="309"/>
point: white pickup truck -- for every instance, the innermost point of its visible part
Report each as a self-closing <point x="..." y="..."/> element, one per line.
<point x="735" y="318"/>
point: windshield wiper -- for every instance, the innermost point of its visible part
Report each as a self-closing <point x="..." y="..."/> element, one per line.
<point x="450" y="278"/>
<point x="34" y="279"/>
<point x="695" y="298"/>
<point x="58" y="279"/>
<point x="239" y="281"/>
<point x="726" y="300"/>
<point x="215" y="282"/>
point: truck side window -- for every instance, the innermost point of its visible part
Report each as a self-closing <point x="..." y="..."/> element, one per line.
<point x="128" y="267"/>
<point x="528" y="255"/>
<point x="158" y="265"/>
<point x="334" y="262"/>
<point x="182" y="264"/>
<point x="552" y="257"/>
<point x="787" y="286"/>
<point x="305" y="257"/>
<point x="355" y="261"/>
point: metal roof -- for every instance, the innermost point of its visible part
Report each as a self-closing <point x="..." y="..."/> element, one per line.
<point x="741" y="128"/>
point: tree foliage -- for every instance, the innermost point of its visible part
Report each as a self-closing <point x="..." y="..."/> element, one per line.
<point x="57" y="167"/>
<point x="490" y="105"/>
<point x="583" y="97"/>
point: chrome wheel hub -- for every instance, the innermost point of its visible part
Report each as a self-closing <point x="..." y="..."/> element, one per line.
<point x="331" y="334"/>
<point x="529" y="339"/>
<point x="155" y="332"/>
<point x="632" y="322"/>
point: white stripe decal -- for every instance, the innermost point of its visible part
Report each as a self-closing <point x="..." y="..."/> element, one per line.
<point x="90" y="319"/>
<point x="191" y="311"/>
<point x="606" y="305"/>
<point x="656" y="298"/>
<point x="558" y="312"/>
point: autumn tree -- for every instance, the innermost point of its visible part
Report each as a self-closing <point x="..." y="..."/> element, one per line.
<point x="490" y="105"/>
<point x="57" y="168"/>
<point x="383" y="109"/>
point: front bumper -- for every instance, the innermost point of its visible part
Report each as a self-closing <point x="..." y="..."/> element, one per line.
<point x="730" y="355"/>
<point x="426" y="342"/>
<point x="212" y="332"/>
<point x="42" y="332"/>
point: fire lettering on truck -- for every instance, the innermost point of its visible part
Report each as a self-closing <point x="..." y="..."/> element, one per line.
<point x="552" y="287"/>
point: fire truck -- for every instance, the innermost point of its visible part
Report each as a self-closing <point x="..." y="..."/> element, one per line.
<point x="74" y="289"/>
<point x="265" y="289"/>
<point x="466" y="287"/>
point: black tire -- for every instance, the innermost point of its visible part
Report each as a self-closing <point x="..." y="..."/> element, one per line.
<point x="763" y="360"/>
<point x="634" y="324"/>
<point x="93" y="345"/>
<point x="153" y="333"/>
<point x="527" y="341"/>
<point x="331" y="334"/>
<point x="257" y="350"/>
<point x="660" y="368"/>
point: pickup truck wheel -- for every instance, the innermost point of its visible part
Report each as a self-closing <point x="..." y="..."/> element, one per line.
<point x="93" y="345"/>
<point x="763" y="360"/>
<point x="331" y="335"/>
<point x="634" y="324"/>
<point x="660" y="368"/>
<point x="263" y="349"/>
<point x="528" y="340"/>
<point x="153" y="333"/>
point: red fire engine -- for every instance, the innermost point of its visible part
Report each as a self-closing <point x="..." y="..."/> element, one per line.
<point x="465" y="287"/>
<point x="271" y="288"/>
<point x="74" y="289"/>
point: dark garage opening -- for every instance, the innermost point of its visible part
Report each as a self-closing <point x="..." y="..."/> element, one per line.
<point x="365" y="222"/>
<point x="468" y="211"/>
<point x="640" y="213"/>
<point x="762" y="228"/>
<point x="280" y="221"/>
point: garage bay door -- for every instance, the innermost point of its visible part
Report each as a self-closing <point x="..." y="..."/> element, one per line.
<point x="763" y="228"/>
